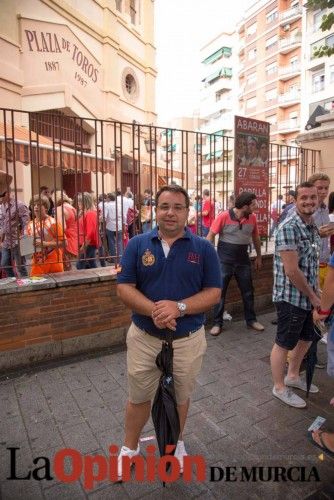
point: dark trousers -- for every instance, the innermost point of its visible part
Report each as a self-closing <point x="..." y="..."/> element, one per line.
<point x="8" y="256"/>
<point x="87" y="259"/>
<point x="243" y="276"/>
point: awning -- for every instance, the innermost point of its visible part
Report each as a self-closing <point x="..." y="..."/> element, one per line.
<point x="223" y="72"/>
<point x="45" y="154"/>
<point x="226" y="51"/>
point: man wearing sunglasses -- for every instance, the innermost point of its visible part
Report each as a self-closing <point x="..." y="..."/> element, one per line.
<point x="237" y="228"/>
<point x="14" y="216"/>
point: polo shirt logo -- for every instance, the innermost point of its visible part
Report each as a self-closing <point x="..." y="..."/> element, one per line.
<point x="193" y="258"/>
<point x="148" y="258"/>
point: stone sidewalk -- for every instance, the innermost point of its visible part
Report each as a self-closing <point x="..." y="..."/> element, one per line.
<point x="234" y="421"/>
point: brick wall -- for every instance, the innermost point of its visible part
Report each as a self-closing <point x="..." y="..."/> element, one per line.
<point x="77" y="312"/>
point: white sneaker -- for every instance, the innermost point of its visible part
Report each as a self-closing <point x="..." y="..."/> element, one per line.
<point x="290" y="398"/>
<point x="323" y="339"/>
<point x="301" y="384"/>
<point x="180" y="452"/>
<point x="125" y="452"/>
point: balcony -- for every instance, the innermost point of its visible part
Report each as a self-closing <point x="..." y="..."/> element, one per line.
<point x="287" y="72"/>
<point x="289" y="98"/>
<point x="288" y="44"/>
<point x="291" y="15"/>
<point x="288" y="126"/>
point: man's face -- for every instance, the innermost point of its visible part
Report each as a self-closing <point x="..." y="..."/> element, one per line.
<point x="172" y="213"/>
<point x="249" y="209"/>
<point x="322" y="188"/>
<point x="252" y="149"/>
<point x="263" y="152"/>
<point x="307" y="200"/>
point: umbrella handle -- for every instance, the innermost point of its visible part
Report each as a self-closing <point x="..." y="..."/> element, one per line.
<point x="169" y="336"/>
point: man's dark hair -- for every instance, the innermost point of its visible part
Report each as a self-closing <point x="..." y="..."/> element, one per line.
<point x="243" y="199"/>
<point x="148" y="191"/>
<point x="118" y="192"/>
<point x="305" y="184"/>
<point x="292" y="192"/>
<point x="280" y="197"/>
<point x="173" y="188"/>
<point x="206" y="192"/>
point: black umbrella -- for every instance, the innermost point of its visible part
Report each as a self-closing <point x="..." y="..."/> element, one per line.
<point x="164" y="410"/>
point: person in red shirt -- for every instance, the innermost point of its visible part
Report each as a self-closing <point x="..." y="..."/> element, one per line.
<point x="236" y="228"/>
<point x="208" y="212"/>
<point x="89" y="239"/>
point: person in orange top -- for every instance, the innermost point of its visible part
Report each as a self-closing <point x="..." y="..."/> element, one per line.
<point x="48" y="239"/>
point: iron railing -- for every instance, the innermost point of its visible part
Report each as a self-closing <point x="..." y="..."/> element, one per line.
<point x="107" y="157"/>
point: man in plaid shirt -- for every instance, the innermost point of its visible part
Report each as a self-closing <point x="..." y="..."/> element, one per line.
<point x="296" y="263"/>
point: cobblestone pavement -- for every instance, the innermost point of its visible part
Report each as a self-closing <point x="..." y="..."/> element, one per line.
<point x="234" y="421"/>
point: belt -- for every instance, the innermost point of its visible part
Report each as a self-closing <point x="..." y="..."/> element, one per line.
<point x="322" y="264"/>
<point x="163" y="337"/>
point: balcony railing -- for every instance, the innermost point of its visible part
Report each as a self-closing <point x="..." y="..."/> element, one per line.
<point x="289" y="43"/>
<point x="287" y="71"/>
<point x="289" y="97"/>
<point x="291" y="14"/>
<point x="288" y="125"/>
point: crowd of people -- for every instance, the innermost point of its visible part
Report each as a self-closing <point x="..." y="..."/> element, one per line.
<point x="79" y="233"/>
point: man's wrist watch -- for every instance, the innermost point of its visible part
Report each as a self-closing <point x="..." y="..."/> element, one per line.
<point x="182" y="307"/>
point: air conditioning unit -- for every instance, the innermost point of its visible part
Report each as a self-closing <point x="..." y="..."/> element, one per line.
<point x="286" y="27"/>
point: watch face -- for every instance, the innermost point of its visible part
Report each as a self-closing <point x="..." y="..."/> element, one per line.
<point x="181" y="306"/>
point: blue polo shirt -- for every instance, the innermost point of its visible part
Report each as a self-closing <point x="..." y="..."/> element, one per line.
<point x="191" y="265"/>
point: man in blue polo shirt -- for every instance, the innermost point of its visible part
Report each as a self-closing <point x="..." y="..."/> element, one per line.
<point x="169" y="277"/>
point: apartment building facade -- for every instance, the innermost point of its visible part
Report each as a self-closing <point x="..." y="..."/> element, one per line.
<point x="270" y="55"/>
<point x="93" y="59"/>
<point x="318" y="72"/>
<point x="218" y="105"/>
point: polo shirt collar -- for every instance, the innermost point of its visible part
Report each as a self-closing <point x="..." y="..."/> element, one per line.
<point x="186" y="236"/>
<point x="234" y="217"/>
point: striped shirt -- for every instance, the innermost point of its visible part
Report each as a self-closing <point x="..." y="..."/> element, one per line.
<point x="294" y="234"/>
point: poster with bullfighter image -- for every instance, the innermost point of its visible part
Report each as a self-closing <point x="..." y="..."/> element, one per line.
<point x="251" y="164"/>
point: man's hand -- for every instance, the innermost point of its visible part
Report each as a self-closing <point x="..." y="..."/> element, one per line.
<point x="317" y="316"/>
<point x="165" y="311"/>
<point x="258" y="263"/>
<point x="326" y="230"/>
<point x="162" y="324"/>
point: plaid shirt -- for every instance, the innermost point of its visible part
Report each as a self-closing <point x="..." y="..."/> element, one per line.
<point x="294" y="234"/>
<point x="13" y="222"/>
<point x="321" y="218"/>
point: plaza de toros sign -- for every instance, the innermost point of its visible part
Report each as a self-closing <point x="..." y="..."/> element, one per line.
<point x="52" y="54"/>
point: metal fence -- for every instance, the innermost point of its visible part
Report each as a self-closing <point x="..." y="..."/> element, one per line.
<point x="110" y="171"/>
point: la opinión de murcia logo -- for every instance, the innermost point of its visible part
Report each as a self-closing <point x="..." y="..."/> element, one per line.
<point x="95" y="468"/>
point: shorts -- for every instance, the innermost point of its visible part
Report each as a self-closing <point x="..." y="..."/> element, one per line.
<point x="144" y="375"/>
<point x="293" y="324"/>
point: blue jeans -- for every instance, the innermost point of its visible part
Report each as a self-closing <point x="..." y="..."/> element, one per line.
<point x="8" y="256"/>
<point x="243" y="276"/>
<point x="83" y="262"/>
<point x="111" y="236"/>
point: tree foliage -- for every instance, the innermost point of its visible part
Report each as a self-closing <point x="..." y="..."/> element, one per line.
<point x="326" y="23"/>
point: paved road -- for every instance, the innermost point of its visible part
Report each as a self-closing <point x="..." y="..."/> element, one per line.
<point x="234" y="421"/>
